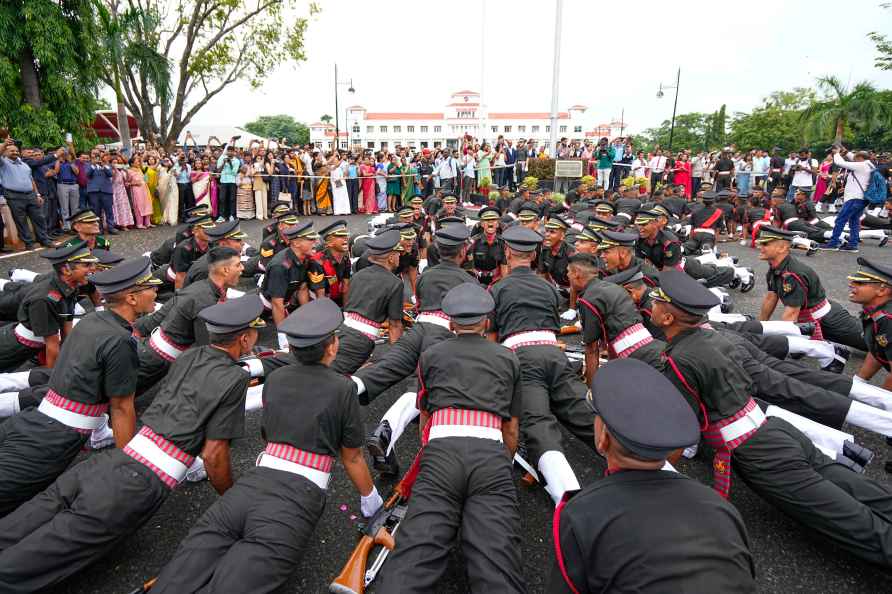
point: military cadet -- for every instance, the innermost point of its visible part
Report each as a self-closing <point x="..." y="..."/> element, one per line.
<point x="702" y="546"/>
<point x="555" y="258"/>
<point x="470" y="400"/>
<point x="182" y="326"/>
<point x="871" y="287"/>
<point x="528" y="216"/>
<point x="86" y="224"/>
<point x="775" y="459"/>
<point x="376" y="295"/>
<point x="586" y="242"/>
<point x="430" y="327"/>
<point x="607" y="211"/>
<point x="279" y="209"/>
<point x="95" y="372"/>
<point x="226" y="234"/>
<point x="186" y="252"/>
<point x="786" y="216"/>
<point x="617" y="252"/>
<point x="705" y="224"/>
<point x="272" y="244"/>
<point x="162" y="254"/>
<point x="525" y="320"/>
<point x="407" y="269"/>
<point x="450" y="209"/>
<point x="799" y="289"/>
<point x="97" y="503"/>
<point x="755" y="216"/>
<point x="335" y="260"/>
<point x="291" y="275"/>
<point x="44" y="314"/>
<point x="277" y="504"/>
<point x="628" y="205"/>
<point x="487" y="251"/>
<point x="433" y="256"/>
<point x="609" y="317"/>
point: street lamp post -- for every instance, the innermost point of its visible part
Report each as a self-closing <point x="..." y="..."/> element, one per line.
<point x="674" y="105"/>
<point x="350" y="90"/>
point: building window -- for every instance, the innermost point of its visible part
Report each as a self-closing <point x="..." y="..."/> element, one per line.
<point x="423" y="144"/>
<point x="437" y="143"/>
<point x="507" y="128"/>
<point x="535" y="129"/>
<point x="424" y="129"/>
<point x="563" y="129"/>
<point x="370" y="145"/>
<point x="383" y="145"/>
<point x="437" y="130"/>
<point x="410" y="129"/>
<point x="547" y="129"/>
<point x="356" y="128"/>
<point x="343" y="144"/>
<point x="577" y="129"/>
<point x="521" y="128"/>
<point x="319" y="144"/>
<point x="397" y="129"/>
<point x="382" y="128"/>
<point x="369" y="129"/>
<point x="495" y="128"/>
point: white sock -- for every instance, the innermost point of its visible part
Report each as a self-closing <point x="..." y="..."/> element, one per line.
<point x="691" y="451"/>
<point x="715" y="315"/>
<point x="254" y="398"/>
<point x="399" y="415"/>
<point x="743" y="274"/>
<point x="868" y="417"/>
<point x="873" y="233"/>
<point x="826" y="438"/>
<point x="9" y="404"/>
<point x="774" y="328"/>
<point x="3" y="283"/>
<point x="867" y="393"/>
<point x="559" y="476"/>
<point x="667" y="466"/>
<point x="802" y="242"/>
<point x="16" y="380"/>
<point x="102" y="435"/>
<point x="197" y="471"/>
<point x="22" y="275"/>
<point x="816" y="349"/>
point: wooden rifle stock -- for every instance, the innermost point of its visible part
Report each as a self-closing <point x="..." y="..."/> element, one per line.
<point x="565" y="330"/>
<point x="145" y="587"/>
<point x="351" y="580"/>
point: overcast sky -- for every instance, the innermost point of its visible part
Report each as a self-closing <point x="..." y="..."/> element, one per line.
<point x="410" y="55"/>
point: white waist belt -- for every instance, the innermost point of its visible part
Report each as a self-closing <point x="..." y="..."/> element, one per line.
<point x="531" y="336"/>
<point x="631" y="340"/>
<point x="432" y="319"/>
<point x="439" y="431"/>
<point x="149" y="450"/>
<point x="156" y="341"/>
<point x="821" y="311"/>
<point x="317" y="477"/>
<point x="790" y="220"/>
<point x="704" y="230"/>
<point x="171" y="275"/>
<point x="70" y="418"/>
<point x="367" y="329"/>
<point x="22" y="332"/>
<point x="264" y="301"/>
<point x="750" y="422"/>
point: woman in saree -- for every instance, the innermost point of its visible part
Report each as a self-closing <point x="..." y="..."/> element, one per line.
<point x="369" y="187"/>
<point x="168" y="194"/>
<point x="409" y="186"/>
<point x="393" y="184"/>
<point x="322" y="192"/>
<point x="120" y="200"/>
<point x="139" y="193"/>
<point x="201" y="184"/>
<point x="151" y="169"/>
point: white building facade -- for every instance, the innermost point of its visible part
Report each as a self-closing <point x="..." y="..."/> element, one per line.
<point x="367" y="130"/>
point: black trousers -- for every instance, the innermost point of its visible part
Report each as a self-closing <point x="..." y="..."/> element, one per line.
<point x="353" y="193"/>
<point x="152" y="367"/>
<point x="23" y="206"/>
<point x="401" y="360"/>
<point x="249" y="540"/>
<point x="13" y="354"/>
<point x="226" y="200"/>
<point x="354" y="350"/>
<point x="34" y="451"/>
<point x="716" y="276"/>
<point x="464" y="491"/>
<point x="552" y="396"/>
<point x="187" y="199"/>
<point x="811" y="231"/>
<point x="76" y="521"/>
<point x="698" y="242"/>
<point x="783" y="466"/>
<point x="842" y="327"/>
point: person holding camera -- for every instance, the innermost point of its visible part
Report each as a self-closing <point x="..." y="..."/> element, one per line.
<point x="228" y="165"/>
<point x="67" y="189"/>
<point x="859" y="169"/>
<point x="803" y="172"/>
<point x="20" y="190"/>
<point x="183" y="173"/>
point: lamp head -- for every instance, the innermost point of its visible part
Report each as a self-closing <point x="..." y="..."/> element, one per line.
<point x="660" y="93"/>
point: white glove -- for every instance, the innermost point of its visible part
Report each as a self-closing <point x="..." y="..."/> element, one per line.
<point x="370" y="503"/>
<point x="283" y="341"/>
<point x="196" y="472"/>
<point x="569" y="315"/>
<point x="253" y="366"/>
<point x="412" y="299"/>
<point x="360" y="385"/>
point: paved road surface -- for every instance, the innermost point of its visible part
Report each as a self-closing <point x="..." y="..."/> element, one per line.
<point x="788" y="558"/>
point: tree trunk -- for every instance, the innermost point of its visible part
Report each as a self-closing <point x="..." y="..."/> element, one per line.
<point x="30" y="82"/>
<point x="123" y="123"/>
<point x="840" y="128"/>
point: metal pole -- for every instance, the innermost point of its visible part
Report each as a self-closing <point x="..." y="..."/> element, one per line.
<point x="622" y="121"/>
<point x="337" y="141"/>
<point x="674" y="106"/>
<point x="555" y="76"/>
<point x="482" y="116"/>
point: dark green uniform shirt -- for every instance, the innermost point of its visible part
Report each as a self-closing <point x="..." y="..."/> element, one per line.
<point x="524" y="301"/>
<point x="182" y="324"/>
<point x="47" y="305"/>
<point x="877" y="324"/>
<point x="795" y="283"/>
<point x="663" y="252"/>
<point x="556" y="263"/>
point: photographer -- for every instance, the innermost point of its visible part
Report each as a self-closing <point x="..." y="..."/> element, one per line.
<point x="804" y="169"/>
<point x="183" y="172"/>
<point x="604" y="155"/>
<point x="858" y="168"/>
<point x="67" y="189"/>
<point x="21" y="195"/>
<point x="228" y="165"/>
<point x="100" y="191"/>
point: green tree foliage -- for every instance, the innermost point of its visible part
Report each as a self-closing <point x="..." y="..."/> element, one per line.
<point x="278" y="127"/>
<point x="212" y="44"/>
<point x="48" y="70"/>
<point x="860" y="107"/>
<point x="776" y="123"/>
<point x="883" y="59"/>
<point x="325" y="118"/>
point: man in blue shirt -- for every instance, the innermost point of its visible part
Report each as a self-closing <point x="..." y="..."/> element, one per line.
<point x="67" y="189"/>
<point x="100" y="191"/>
<point x="183" y="172"/>
<point x="22" y="196"/>
<point x="228" y="165"/>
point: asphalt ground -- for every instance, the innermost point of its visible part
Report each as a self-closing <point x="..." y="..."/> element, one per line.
<point x="788" y="557"/>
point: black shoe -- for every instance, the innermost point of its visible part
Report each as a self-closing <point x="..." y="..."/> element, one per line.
<point x="852" y="249"/>
<point x="735" y="282"/>
<point x="811" y="251"/>
<point x="883" y="241"/>
<point x="377" y="443"/>
<point x="727" y="306"/>
<point x="851" y="464"/>
<point x="807" y="328"/>
<point x="112" y="231"/>
<point x="48" y="244"/>
<point x="747" y="287"/>
<point x="858" y="453"/>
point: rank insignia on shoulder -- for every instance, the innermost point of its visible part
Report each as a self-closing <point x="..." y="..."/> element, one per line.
<point x="54" y="295"/>
<point x="882" y="340"/>
<point x="719" y="466"/>
<point x="787" y="287"/>
<point x="266" y="253"/>
<point x="316" y="277"/>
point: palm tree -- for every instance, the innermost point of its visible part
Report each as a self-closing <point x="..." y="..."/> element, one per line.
<point x="125" y="53"/>
<point x="325" y="119"/>
<point x="860" y="106"/>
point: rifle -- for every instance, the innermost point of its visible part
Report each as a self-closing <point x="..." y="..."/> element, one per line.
<point x="145" y="587"/>
<point x="380" y="530"/>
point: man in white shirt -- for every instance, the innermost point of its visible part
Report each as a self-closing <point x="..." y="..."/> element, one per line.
<point x="803" y="169"/>
<point x="761" y="162"/>
<point x="657" y="168"/>
<point x="857" y="179"/>
<point x="446" y="171"/>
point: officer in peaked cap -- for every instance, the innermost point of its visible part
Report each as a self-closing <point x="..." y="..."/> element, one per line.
<point x="188" y="250"/>
<point x="280" y="209"/>
<point x="44" y="314"/>
<point x="465" y="480"/>
<point x="86" y="224"/>
<point x="334" y="258"/>
<point x="292" y="474"/>
<point x="105" y="259"/>
<point x="376" y="295"/>
<point x="617" y="252"/>
<point x="226" y="234"/>
<point x="161" y="255"/>
<point x="528" y="215"/>
<point x="871" y="287"/>
<point x="641" y="418"/>
<point x="487" y="251"/>
<point x="556" y="252"/>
